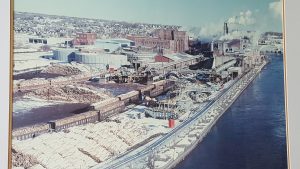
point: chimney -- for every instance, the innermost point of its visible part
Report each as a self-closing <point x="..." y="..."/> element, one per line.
<point x="225" y="28"/>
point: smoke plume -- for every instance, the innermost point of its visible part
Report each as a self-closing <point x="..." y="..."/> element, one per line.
<point x="276" y="8"/>
<point x="245" y="18"/>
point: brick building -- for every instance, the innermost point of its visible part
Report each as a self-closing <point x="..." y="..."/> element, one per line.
<point x="85" y="39"/>
<point x="160" y="58"/>
<point x="171" y="39"/>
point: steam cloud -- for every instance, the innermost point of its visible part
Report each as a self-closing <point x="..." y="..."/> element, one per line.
<point x="215" y="30"/>
<point x="276" y="8"/>
<point x="245" y="18"/>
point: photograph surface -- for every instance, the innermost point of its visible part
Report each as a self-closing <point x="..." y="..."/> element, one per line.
<point x="148" y="84"/>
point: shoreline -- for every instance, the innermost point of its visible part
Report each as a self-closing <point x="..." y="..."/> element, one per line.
<point x="143" y="157"/>
<point x="187" y="152"/>
<point x="241" y="83"/>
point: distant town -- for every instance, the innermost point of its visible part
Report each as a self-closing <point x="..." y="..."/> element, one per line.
<point x="92" y="93"/>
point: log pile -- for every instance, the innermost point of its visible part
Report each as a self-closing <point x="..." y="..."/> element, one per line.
<point x="69" y="93"/>
<point x="61" y="69"/>
<point x="21" y="160"/>
<point x="84" y="146"/>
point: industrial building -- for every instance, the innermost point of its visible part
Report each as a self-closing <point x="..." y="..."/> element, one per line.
<point x="101" y="59"/>
<point x="38" y="40"/>
<point x="169" y="39"/>
<point x="228" y="47"/>
<point x="85" y="39"/>
<point x="172" y="57"/>
<point x="112" y="45"/>
<point x="64" y="54"/>
<point x="96" y="58"/>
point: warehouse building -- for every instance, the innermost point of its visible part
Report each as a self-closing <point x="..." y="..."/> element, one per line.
<point x="93" y="58"/>
<point x="101" y="59"/>
<point x="170" y="39"/>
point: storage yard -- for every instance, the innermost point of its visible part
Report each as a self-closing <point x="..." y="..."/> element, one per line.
<point x="83" y="133"/>
<point x="114" y="120"/>
<point x="85" y="146"/>
<point x="85" y="102"/>
<point x="69" y="93"/>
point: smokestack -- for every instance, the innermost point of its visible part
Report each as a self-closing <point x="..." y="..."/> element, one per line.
<point x="212" y="46"/>
<point x="225" y="28"/>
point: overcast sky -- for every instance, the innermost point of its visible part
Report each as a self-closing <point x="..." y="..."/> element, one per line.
<point x="259" y="14"/>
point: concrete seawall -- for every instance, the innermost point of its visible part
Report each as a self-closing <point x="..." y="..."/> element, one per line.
<point x="182" y="156"/>
<point x="168" y="151"/>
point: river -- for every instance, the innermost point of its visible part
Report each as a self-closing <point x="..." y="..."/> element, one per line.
<point x="252" y="132"/>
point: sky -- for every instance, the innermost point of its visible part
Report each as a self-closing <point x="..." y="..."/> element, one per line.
<point x="256" y="14"/>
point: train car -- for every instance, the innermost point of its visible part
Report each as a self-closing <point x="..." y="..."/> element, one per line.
<point x="112" y="106"/>
<point x="155" y="92"/>
<point x="30" y="131"/>
<point x="147" y="88"/>
<point x="108" y="112"/>
<point x="167" y="84"/>
<point x="130" y="97"/>
<point x="105" y="103"/>
<point x="78" y="119"/>
<point x="159" y="83"/>
<point x="108" y="107"/>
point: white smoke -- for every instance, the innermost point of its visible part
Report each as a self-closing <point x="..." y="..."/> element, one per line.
<point x="276" y="8"/>
<point x="206" y="32"/>
<point x="253" y="35"/>
<point x="213" y="31"/>
<point x="245" y="18"/>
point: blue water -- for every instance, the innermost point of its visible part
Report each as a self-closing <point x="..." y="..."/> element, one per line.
<point x="251" y="134"/>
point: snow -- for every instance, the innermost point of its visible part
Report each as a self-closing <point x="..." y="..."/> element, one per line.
<point x="22" y="41"/>
<point x="38" y="166"/>
<point x="179" y="56"/>
<point x="18" y="168"/>
<point x="89" y="144"/>
<point x="93" y="143"/>
<point x="27" y="103"/>
<point x="31" y="61"/>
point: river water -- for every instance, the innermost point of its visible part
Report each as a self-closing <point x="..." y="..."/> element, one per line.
<point x="251" y="134"/>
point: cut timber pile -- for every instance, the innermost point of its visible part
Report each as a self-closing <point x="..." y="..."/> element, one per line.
<point x="21" y="160"/>
<point x="84" y="146"/>
<point x="69" y="93"/>
<point x="30" y="129"/>
<point x="62" y="69"/>
<point x="34" y="81"/>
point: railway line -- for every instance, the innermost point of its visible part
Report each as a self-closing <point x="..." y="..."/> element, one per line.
<point x="146" y="158"/>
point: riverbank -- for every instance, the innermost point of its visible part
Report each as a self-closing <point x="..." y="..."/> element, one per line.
<point x="206" y="129"/>
<point x="172" y="148"/>
<point x="254" y="125"/>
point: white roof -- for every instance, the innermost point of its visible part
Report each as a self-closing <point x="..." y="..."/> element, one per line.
<point x="179" y="56"/>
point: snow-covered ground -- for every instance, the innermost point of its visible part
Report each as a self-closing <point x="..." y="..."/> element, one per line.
<point x="21" y="42"/>
<point x="85" y="146"/>
<point x="31" y="61"/>
<point x="26" y="62"/>
<point x="25" y="104"/>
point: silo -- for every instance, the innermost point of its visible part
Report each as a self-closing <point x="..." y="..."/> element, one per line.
<point x="101" y="59"/>
<point x="64" y="55"/>
<point x="92" y="59"/>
